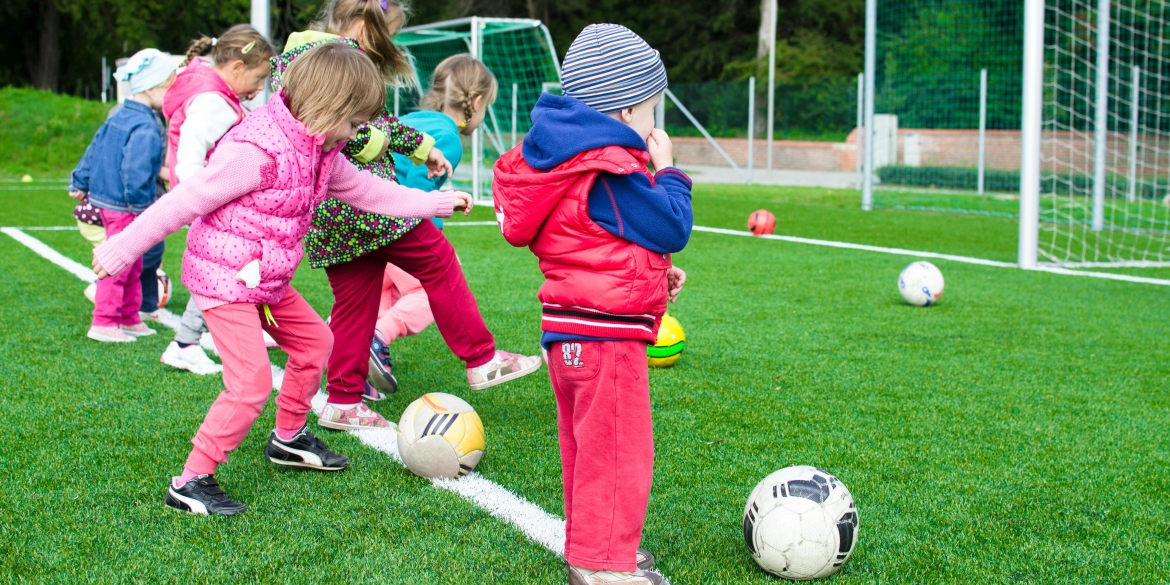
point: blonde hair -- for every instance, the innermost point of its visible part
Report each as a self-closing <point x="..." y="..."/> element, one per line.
<point x="457" y="81"/>
<point x="240" y="42"/>
<point x="395" y="65"/>
<point x="332" y="83"/>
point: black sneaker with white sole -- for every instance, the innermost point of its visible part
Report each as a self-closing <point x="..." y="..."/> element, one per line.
<point x="201" y="495"/>
<point x="304" y="450"/>
<point x="381" y="366"/>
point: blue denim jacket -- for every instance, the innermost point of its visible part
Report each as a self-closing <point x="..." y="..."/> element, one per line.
<point x="120" y="166"/>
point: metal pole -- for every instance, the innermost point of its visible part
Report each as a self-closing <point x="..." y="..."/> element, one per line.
<point x="660" y="114"/>
<point x="751" y="127"/>
<point x="1135" y="103"/>
<point x="982" y="125"/>
<point x="105" y="80"/>
<point x="260" y="20"/>
<point x="870" y="67"/>
<point x="1030" y="122"/>
<point x="771" y="83"/>
<point x="395" y="101"/>
<point x="476" y="138"/>
<point x="860" y="122"/>
<point x="515" y="110"/>
<point x="1101" y="133"/>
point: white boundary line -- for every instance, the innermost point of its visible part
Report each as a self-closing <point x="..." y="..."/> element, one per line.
<point x="918" y="254"/>
<point x="540" y="526"/>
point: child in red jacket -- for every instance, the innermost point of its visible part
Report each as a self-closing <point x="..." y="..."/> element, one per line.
<point x="578" y="193"/>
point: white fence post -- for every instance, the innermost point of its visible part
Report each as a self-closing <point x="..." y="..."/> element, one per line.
<point x="1135" y="103"/>
<point x="395" y="101"/>
<point x="1101" y="132"/>
<point x="982" y="125"/>
<point x="860" y="123"/>
<point x="771" y="83"/>
<point x="260" y="20"/>
<point x="870" y="67"/>
<point x="515" y="111"/>
<point x="477" y="135"/>
<point x="1032" y="100"/>
<point x="751" y="127"/>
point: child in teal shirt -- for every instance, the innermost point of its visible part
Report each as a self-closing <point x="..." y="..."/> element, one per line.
<point x="462" y="89"/>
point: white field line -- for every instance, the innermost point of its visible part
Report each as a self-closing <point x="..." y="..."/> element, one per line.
<point x="920" y="254"/>
<point x="447" y="223"/>
<point x="540" y="526"/>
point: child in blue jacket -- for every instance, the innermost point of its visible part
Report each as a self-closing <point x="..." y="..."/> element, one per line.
<point x="118" y="173"/>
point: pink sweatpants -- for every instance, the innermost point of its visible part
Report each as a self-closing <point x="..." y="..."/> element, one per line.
<point x="118" y="297"/>
<point x="247" y="373"/>
<point x="607" y="448"/>
<point x="404" y="309"/>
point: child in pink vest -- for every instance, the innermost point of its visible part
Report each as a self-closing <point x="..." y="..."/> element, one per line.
<point x="202" y="105"/>
<point x="248" y="210"/>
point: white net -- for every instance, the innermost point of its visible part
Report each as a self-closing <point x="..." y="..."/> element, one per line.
<point x="1128" y="222"/>
<point x="519" y="53"/>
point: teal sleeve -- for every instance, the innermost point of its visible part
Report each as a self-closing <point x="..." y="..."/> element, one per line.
<point x="413" y="175"/>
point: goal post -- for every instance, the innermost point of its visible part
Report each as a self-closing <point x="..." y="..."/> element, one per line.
<point x="518" y="51"/>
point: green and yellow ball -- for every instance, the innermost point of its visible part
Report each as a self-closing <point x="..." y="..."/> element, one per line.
<point x="671" y="341"/>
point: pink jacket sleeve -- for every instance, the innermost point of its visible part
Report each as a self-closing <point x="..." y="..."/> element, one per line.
<point x="233" y="171"/>
<point x="369" y="193"/>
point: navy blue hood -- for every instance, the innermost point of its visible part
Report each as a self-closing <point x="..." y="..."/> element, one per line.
<point x="563" y="127"/>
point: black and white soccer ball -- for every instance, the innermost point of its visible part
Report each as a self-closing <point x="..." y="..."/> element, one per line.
<point x="800" y="523"/>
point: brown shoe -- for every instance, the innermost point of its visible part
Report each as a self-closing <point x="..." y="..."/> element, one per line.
<point x="582" y="576"/>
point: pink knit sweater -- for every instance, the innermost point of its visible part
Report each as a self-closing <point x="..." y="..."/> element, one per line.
<point x="238" y="169"/>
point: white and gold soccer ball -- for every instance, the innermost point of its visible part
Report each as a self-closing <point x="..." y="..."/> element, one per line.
<point x="440" y="435"/>
<point x="800" y="523"/>
<point x="921" y="284"/>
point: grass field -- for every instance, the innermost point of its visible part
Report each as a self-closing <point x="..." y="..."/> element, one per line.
<point x="1015" y="433"/>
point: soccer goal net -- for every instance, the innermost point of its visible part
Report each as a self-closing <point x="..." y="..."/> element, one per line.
<point x="1105" y="149"/>
<point x="519" y="52"/>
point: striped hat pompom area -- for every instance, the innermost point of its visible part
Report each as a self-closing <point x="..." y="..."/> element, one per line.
<point x="610" y="68"/>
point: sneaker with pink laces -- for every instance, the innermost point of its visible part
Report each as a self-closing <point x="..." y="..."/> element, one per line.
<point x="108" y="334"/>
<point x="346" y="417"/>
<point x="138" y="330"/>
<point x="503" y="367"/>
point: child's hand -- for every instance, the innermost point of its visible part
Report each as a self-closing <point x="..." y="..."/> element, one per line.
<point x="77" y="195"/>
<point x="661" y="150"/>
<point x="98" y="270"/>
<point x="437" y="165"/>
<point x="675" y="278"/>
<point x="463" y="201"/>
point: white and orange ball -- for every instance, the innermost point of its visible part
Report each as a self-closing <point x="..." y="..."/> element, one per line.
<point x="440" y="435"/>
<point x="921" y="284"/>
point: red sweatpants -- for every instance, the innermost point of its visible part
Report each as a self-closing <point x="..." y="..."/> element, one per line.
<point x="425" y="254"/>
<point x="607" y="448"/>
<point x="118" y="297"/>
<point x="247" y="373"/>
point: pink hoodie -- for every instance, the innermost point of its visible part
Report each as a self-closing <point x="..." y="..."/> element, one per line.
<point x="254" y="201"/>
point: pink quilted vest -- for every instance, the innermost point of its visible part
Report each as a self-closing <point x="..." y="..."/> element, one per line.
<point x="266" y="225"/>
<point x="196" y="79"/>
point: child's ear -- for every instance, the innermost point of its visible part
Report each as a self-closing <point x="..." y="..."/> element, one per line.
<point x="477" y="103"/>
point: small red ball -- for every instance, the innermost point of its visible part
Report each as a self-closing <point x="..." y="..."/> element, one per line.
<point x="762" y="222"/>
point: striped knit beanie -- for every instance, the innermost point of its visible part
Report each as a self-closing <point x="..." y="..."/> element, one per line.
<point x="611" y="68"/>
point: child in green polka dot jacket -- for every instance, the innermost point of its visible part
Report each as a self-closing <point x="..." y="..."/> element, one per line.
<point x="354" y="247"/>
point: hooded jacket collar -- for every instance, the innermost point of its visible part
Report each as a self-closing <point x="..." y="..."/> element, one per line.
<point x="197" y="78"/>
<point x="563" y="127"/>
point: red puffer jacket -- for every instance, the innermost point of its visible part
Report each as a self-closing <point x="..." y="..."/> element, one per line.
<point x="596" y="284"/>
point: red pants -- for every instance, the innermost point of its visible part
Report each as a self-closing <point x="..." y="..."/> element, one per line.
<point x="118" y="297"/>
<point x="425" y="254"/>
<point x="607" y="448"/>
<point x="247" y="373"/>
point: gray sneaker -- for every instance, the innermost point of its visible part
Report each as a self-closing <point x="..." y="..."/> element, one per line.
<point x="582" y="576"/>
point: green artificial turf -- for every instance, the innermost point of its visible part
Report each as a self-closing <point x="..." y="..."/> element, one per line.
<point x="1014" y="433"/>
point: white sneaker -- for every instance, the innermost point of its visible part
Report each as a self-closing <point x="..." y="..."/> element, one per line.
<point x="138" y="330"/>
<point x="109" y="334"/>
<point x="152" y="316"/>
<point x="503" y="367"/>
<point x="190" y="358"/>
<point x="583" y="576"/>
